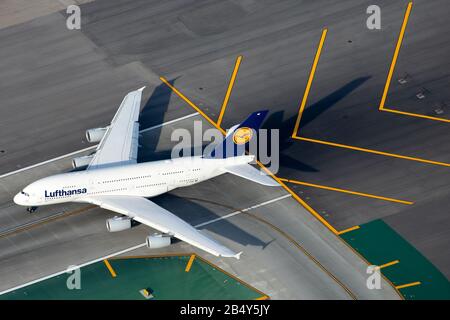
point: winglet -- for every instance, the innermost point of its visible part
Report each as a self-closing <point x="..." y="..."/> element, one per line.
<point x="140" y="89"/>
<point x="238" y="255"/>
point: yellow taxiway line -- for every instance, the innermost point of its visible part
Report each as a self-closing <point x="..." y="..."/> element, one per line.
<point x="308" y="88"/>
<point x="346" y="191"/>
<point x="300" y="200"/>
<point x="388" y="264"/>
<point x="310" y="80"/>
<point x="230" y="88"/>
<point x="415" y="115"/>
<point x="191" y="104"/>
<point x="391" y="72"/>
<point x="339" y="145"/>
<point x="348" y="230"/>
<point x="395" y="56"/>
<point x="408" y="285"/>
<point x="111" y="270"/>
<point x="294" y="195"/>
<point x="190" y="262"/>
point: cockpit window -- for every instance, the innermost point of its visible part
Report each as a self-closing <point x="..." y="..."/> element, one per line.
<point x="25" y="194"/>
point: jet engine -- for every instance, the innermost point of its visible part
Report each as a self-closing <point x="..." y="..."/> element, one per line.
<point x="95" y="135"/>
<point x="158" y="241"/>
<point x="81" y="161"/>
<point x="118" y="224"/>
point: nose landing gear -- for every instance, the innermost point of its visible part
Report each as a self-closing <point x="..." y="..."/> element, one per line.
<point x="31" y="209"/>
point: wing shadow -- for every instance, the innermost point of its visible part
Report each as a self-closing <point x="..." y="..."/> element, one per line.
<point x="194" y="213"/>
<point x="152" y="114"/>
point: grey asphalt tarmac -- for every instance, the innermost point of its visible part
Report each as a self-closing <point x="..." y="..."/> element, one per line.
<point x="304" y="261"/>
<point x="56" y="83"/>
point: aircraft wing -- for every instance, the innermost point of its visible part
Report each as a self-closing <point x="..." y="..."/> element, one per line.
<point x="149" y="213"/>
<point x="120" y="142"/>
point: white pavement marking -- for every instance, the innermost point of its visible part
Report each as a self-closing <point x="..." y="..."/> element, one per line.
<point x="92" y="147"/>
<point x="71" y="269"/>
<point x="169" y="122"/>
<point x="243" y="210"/>
<point x="47" y="161"/>
<point x="141" y="245"/>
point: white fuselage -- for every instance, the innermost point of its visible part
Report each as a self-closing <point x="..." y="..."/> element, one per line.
<point x="146" y="179"/>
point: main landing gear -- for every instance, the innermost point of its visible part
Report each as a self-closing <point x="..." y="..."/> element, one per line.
<point x="31" y="209"/>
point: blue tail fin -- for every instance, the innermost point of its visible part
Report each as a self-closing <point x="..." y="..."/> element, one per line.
<point x="237" y="137"/>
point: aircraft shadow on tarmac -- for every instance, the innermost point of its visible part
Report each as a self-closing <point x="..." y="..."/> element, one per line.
<point x="194" y="213"/>
<point x="275" y="121"/>
<point x="153" y="113"/>
<point x="156" y="106"/>
<point x="198" y="213"/>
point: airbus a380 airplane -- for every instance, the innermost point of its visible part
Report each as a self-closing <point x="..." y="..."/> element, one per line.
<point x="115" y="181"/>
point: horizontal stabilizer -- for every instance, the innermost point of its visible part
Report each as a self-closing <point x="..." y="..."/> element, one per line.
<point x="246" y="171"/>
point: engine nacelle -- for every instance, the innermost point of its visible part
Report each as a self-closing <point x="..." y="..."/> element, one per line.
<point x="95" y="135"/>
<point x="81" y="161"/>
<point x="158" y="241"/>
<point x="118" y="224"/>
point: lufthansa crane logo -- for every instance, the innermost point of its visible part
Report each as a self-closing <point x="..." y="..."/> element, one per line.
<point x="242" y="135"/>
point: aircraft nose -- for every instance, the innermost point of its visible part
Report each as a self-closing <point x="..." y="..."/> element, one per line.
<point x="19" y="199"/>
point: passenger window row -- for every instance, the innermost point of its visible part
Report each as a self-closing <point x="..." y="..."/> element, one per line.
<point x="189" y="180"/>
<point x="151" y="185"/>
<point x="127" y="179"/>
<point x="175" y="172"/>
<point x="114" y="190"/>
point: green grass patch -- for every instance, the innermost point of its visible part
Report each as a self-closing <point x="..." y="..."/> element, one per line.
<point x="164" y="276"/>
<point x="378" y="243"/>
